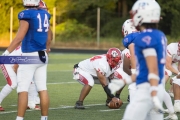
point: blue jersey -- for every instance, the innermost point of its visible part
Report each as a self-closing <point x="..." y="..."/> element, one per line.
<point x="151" y="38"/>
<point x="129" y="39"/>
<point x="37" y="34"/>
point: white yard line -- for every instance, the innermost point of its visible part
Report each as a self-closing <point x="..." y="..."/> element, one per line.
<point x="56" y="83"/>
<point x="63" y="107"/>
<point x="109" y="110"/>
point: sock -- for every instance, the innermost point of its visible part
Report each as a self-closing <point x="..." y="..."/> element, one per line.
<point x="44" y="117"/>
<point x="168" y="102"/>
<point x="19" y="118"/>
<point x="32" y="92"/>
<point x="4" y="92"/>
<point x="176" y="101"/>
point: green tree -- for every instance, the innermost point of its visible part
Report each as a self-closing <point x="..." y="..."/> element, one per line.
<point x="170" y="13"/>
<point x="5" y="6"/>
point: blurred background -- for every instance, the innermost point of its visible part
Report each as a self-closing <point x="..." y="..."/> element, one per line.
<point x="87" y="24"/>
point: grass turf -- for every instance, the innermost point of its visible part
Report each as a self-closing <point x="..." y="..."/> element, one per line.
<point x="63" y="92"/>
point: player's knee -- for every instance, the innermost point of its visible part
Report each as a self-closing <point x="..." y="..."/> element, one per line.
<point x="41" y="88"/>
<point x="91" y="83"/>
<point x="22" y="89"/>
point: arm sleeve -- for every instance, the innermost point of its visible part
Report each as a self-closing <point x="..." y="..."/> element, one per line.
<point x="24" y="15"/>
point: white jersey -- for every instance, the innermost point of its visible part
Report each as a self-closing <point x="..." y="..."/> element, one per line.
<point x="172" y="51"/>
<point x="98" y="63"/>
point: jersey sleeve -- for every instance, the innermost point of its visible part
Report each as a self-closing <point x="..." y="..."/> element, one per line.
<point x="127" y="41"/>
<point x="24" y="15"/>
<point x="170" y="50"/>
<point x="100" y="67"/>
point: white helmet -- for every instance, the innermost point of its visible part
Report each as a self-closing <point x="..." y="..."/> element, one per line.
<point x="128" y="27"/>
<point x="31" y="2"/>
<point x="145" y="11"/>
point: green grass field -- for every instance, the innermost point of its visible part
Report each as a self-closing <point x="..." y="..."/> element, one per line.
<point x="64" y="92"/>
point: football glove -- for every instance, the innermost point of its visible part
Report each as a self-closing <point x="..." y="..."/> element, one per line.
<point x="6" y="53"/>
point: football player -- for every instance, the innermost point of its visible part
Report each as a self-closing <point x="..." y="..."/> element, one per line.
<point x="9" y="71"/>
<point x="130" y="32"/>
<point x="173" y="68"/>
<point x="119" y="73"/>
<point x="96" y="70"/>
<point x="33" y="33"/>
<point x="150" y="51"/>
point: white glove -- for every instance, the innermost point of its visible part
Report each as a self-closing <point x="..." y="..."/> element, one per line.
<point x="157" y="104"/>
<point x="6" y="53"/>
<point x="115" y="85"/>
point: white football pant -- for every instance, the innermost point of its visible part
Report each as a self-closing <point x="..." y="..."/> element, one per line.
<point x="141" y="106"/>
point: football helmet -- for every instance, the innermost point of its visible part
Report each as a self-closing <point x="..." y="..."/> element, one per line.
<point x="31" y="2"/>
<point x="113" y="57"/>
<point x="128" y="27"/>
<point x="145" y="11"/>
<point x="42" y="5"/>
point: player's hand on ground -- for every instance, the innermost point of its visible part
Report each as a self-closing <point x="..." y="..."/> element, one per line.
<point x="157" y="104"/>
<point x="115" y="85"/>
<point x="115" y="100"/>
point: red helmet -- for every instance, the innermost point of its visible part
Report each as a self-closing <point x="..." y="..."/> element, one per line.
<point x="113" y="57"/>
<point x="42" y="5"/>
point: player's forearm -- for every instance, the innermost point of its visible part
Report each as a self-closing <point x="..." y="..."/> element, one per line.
<point x="169" y="67"/>
<point x="15" y="43"/>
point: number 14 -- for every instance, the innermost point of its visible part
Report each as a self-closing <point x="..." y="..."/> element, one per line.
<point x="46" y="23"/>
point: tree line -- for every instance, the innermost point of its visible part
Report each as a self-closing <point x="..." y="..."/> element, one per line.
<point x="79" y="17"/>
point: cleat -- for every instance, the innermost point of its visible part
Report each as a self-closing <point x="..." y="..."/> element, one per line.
<point x="128" y="99"/>
<point x="171" y="117"/>
<point x="37" y="101"/>
<point x="79" y="105"/>
<point x="35" y="108"/>
<point x="2" y="109"/>
<point x="107" y="101"/>
<point x="166" y="111"/>
<point x="177" y="107"/>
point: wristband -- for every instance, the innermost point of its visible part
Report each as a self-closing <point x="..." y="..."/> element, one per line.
<point x="169" y="73"/>
<point x="153" y="88"/>
<point x="6" y="53"/>
<point x="133" y="71"/>
<point x="153" y="76"/>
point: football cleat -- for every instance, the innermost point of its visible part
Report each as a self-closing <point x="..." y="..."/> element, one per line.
<point x="37" y="100"/>
<point x="35" y="108"/>
<point x="171" y="117"/>
<point x="79" y="105"/>
<point x="1" y="108"/>
<point x="166" y="111"/>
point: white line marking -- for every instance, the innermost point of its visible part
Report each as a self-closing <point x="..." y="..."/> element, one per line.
<point x="56" y="83"/>
<point x="109" y="110"/>
<point x="63" y="107"/>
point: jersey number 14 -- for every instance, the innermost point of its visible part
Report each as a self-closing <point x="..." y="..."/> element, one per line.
<point x="45" y="23"/>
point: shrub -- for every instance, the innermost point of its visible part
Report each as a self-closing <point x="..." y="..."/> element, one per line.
<point x="72" y="30"/>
